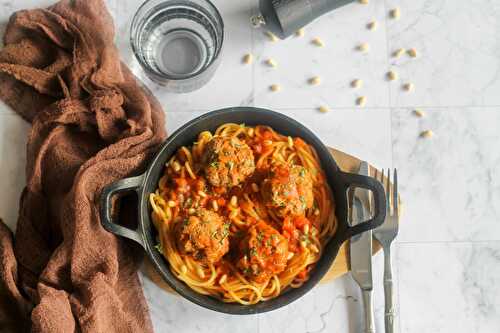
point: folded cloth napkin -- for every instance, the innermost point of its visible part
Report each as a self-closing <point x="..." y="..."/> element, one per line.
<point x="92" y="124"/>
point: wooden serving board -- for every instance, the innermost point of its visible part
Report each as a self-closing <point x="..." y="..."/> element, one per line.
<point x="340" y="266"/>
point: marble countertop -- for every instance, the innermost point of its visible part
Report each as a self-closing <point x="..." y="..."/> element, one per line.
<point x="447" y="256"/>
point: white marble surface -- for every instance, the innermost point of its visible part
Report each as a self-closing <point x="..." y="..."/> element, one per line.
<point x="447" y="257"/>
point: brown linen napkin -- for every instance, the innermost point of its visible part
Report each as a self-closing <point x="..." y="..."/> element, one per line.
<point x="91" y="125"/>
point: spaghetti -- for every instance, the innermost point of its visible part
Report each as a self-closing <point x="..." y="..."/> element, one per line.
<point x="243" y="214"/>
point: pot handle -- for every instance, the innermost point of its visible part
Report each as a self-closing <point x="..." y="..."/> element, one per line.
<point x="122" y="185"/>
<point x="379" y="203"/>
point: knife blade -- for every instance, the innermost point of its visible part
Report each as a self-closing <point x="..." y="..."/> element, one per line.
<point x="361" y="251"/>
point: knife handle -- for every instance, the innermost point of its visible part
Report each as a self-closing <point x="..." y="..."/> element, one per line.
<point x="368" y="304"/>
<point x="388" y="294"/>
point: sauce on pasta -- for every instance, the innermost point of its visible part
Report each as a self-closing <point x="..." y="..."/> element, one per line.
<point x="243" y="214"/>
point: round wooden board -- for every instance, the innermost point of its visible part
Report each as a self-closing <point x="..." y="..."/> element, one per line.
<point x="339" y="267"/>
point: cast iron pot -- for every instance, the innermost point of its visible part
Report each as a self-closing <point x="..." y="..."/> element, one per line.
<point x="143" y="185"/>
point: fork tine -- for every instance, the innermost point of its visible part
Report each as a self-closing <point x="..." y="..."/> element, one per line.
<point x="395" y="193"/>
<point x="388" y="191"/>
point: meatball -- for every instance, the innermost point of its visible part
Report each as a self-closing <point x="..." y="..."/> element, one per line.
<point x="227" y="161"/>
<point x="204" y="236"/>
<point x="264" y="253"/>
<point x="288" y="190"/>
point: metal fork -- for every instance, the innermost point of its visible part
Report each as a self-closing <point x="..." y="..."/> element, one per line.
<point x="385" y="234"/>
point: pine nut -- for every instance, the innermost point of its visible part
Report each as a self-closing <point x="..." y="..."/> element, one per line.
<point x="223" y="279"/>
<point x="427" y="134"/>
<point x="255" y="187"/>
<point x="315" y="80"/>
<point x="357" y="83"/>
<point x="234" y="201"/>
<point x="395" y="13"/>
<point x="300" y="32"/>
<point x="202" y="194"/>
<point x="363" y="47"/>
<point x="290" y="142"/>
<point x="398" y="53"/>
<point x="318" y="42"/>
<point x="274" y="87"/>
<point x="373" y="25"/>
<point x="171" y="203"/>
<point x="361" y="101"/>
<point x="323" y="109"/>
<point x="248" y="59"/>
<point x="392" y="75"/>
<point x="412" y="53"/>
<point x="290" y="255"/>
<point x="271" y="62"/>
<point x="176" y="166"/>
<point x="418" y="113"/>
<point x="215" y="205"/>
<point x="200" y="272"/>
<point x="408" y="86"/>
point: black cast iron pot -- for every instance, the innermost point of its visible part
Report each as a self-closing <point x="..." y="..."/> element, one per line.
<point x="143" y="185"/>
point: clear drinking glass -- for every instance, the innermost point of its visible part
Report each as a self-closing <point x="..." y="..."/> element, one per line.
<point x="178" y="42"/>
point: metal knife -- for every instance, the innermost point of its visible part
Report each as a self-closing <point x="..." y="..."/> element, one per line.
<point x="361" y="252"/>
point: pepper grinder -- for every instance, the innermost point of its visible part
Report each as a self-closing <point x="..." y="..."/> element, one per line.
<point x="284" y="17"/>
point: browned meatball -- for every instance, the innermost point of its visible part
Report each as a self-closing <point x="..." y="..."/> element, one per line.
<point x="227" y="161"/>
<point x="288" y="189"/>
<point x="204" y="236"/>
<point x="264" y="253"/>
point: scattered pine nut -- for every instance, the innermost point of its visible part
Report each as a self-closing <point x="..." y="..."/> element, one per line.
<point x="300" y="32"/>
<point x="267" y="142"/>
<point x="418" y="113"/>
<point x="250" y="132"/>
<point x="290" y="142"/>
<point x="314" y="248"/>
<point x="398" y="53"/>
<point x="272" y="37"/>
<point x="323" y="109"/>
<point x="395" y="13"/>
<point x="314" y="81"/>
<point x="318" y="42"/>
<point x="426" y="134"/>
<point x="306" y="229"/>
<point x="255" y="187"/>
<point x="176" y="166"/>
<point x="233" y="214"/>
<point x="215" y="205"/>
<point x="412" y="53"/>
<point x="316" y="212"/>
<point x="408" y="86"/>
<point x="191" y="211"/>
<point x="290" y="255"/>
<point x="171" y="203"/>
<point x="200" y="272"/>
<point x="202" y="194"/>
<point x="357" y="83"/>
<point x="363" y="2"/>
<point x="248" y="59"/>
<point x="274" y="87"/>
<point x="223" y="279"/>
<point x="391" y="75"/>
<point x="234" y="201"/>
<point x="363" y="47"/>
<point x="361" y="101"/>
<point x="372" y="25"/>
<point x="271" y="62"/>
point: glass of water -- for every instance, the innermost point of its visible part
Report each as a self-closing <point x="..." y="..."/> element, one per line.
<point x="178" y="42"/>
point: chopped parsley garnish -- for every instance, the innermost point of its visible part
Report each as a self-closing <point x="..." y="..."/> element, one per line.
<point x="185" y="222"/>
<point x="260" y="236"/>
<point x="230" y="165"/>
<point x="159" y="248"/>
<point x="188" y="203"/>
<point x="253" y="251"/>
<point x="214" y="164"/>
<point x="302" y="173"/>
